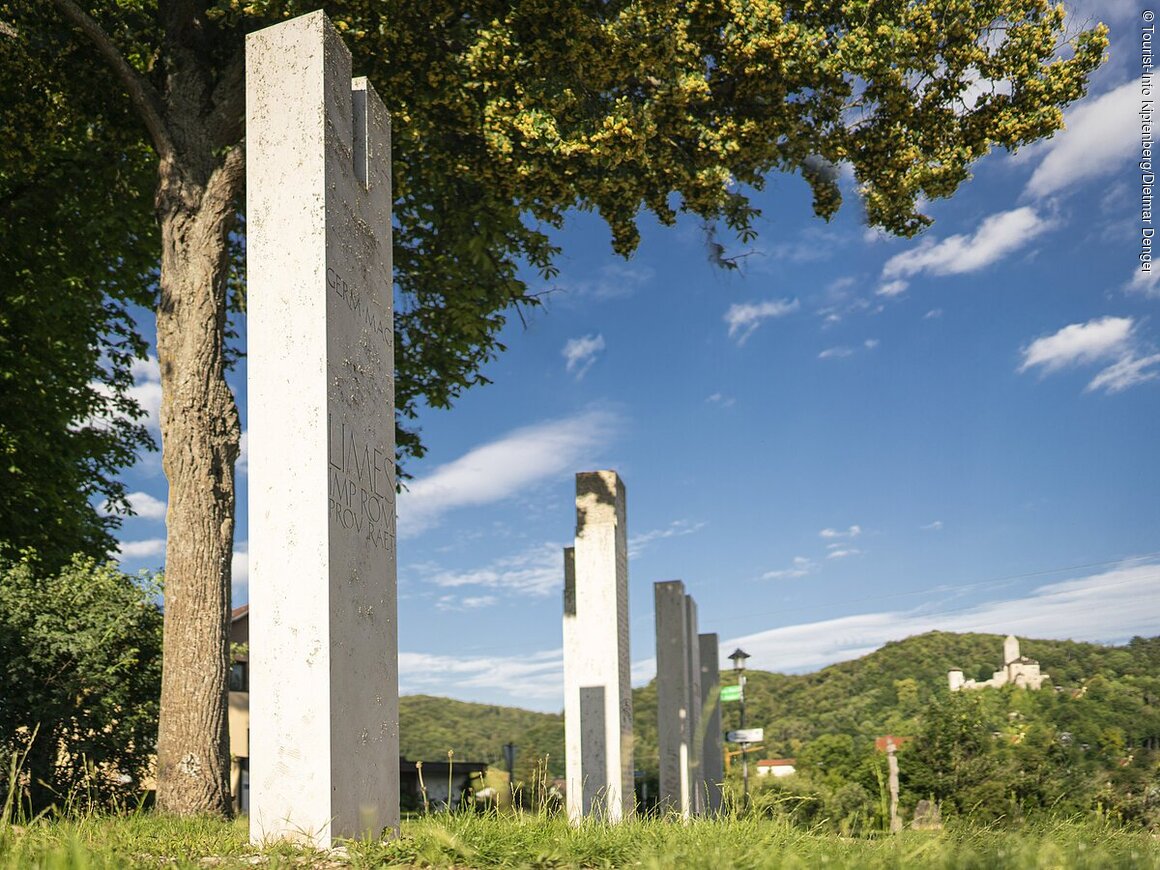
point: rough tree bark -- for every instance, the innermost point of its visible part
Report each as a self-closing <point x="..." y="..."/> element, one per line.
<point x="200" y="438"/>
<point x="195" y="122"/>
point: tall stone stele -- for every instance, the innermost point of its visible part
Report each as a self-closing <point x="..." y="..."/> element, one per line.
<point x="324" y="681"/>
<point x="712" y="748"/>
<point x="679" y="702"/>
<point x="696" y="726"/>
<point x="597" y="687"/>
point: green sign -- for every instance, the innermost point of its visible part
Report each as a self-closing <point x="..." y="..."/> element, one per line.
<point x="730" y="693"/>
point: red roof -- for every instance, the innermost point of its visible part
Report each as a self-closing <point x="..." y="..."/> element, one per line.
<point x="880" y="742"/>
<point x="238" y="612"/>
<point x="777" y="762"/>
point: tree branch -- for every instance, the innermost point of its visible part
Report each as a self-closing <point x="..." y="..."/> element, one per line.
<point x="143" y="95"/>
<point x="7" y="29"/>
<point x="226" y="181"/>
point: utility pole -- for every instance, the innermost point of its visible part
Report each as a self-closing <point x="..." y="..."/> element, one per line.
<point x="739" y="656"/>
<point x="892" y="763"/>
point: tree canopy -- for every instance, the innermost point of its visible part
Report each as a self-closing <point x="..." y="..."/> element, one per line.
<point x="507" y="115"/>
<point x="77" y="246"/>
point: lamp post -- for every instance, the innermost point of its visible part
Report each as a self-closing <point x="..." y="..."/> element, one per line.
<point x="739" y="656"/>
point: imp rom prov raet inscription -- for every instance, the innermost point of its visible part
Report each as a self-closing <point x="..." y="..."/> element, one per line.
<point x="361" y="478"/>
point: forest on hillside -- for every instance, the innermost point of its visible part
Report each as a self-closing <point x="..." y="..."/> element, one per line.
<point x="1086" y="743"/>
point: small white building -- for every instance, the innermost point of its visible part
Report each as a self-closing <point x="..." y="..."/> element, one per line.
<point x="775" y="767"/>
<point x="1018" y="670"/>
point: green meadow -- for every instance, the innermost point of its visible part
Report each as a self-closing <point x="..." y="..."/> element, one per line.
<point x="538" y="840"/>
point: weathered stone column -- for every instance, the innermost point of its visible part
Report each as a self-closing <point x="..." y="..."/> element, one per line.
<point x="674" y="694"/>
<point x="712" y="748"/>
<point x="696" y="735"/>
<point x="597" y="687"/>
<point x="324" y="680"/>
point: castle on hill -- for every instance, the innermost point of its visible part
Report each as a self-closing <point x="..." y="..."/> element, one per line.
<point x="1017" y="670"/>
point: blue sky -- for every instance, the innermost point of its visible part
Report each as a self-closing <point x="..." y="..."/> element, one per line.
<point x="851" y="439"/>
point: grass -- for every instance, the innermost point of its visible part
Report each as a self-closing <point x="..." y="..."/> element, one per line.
<point x="467" y="841"/>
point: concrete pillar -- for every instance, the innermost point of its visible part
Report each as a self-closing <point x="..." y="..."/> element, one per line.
<point x="674" y="694"/>
<point x="712" y="748"/>
<point x="324" y="681"/>
<point x="597" y="687"/>
<point x="696" y="732"/>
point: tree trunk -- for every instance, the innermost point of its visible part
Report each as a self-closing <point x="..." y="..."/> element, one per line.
<point x="40" y="765"/>
<point x="200" y="440"/>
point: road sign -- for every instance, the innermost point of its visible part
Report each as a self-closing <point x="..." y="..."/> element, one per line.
<point x="749" y="735"/>
<point x="730" y="693"/>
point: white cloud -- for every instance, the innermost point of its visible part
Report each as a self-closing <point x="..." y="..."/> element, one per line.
<point x="146" y="390"/>
<point x="505" y="467"/>
<point x="998" y="235"/>
<point x="538" y="675"/>
<point x="721" y="399"/>
<point x="140" y="549"/>
<point x="933" y="314"/>
<point x="1098" y="340"/>
<point x="839" y="352"/>
<point x="1109" y="607"/>
<point x="1126" y="373"/>
<point x="1098" y="138"/>
<point x="843" y="552"/>
<point x="744" y="318"/>
<point x="240" y="574"/>
<point x="842" y="299"/>
<point x="580" y="353"/>
<point x="243" y="464"/>
<point x="870" y="343"/>
<point x="471" y="602"/>
<point x="1086" y="12"/>
<point x="892" y="288"/>
<point x="852" y="532"/>
<point x="536" y="571"/>
<point x="812" y="244"/>
<point x="145" y="505"/>
<point x="612" y="281"/>
<point x="675" y="529"/>
<point x="1146" y="284"/>
<point x="1078" y="343"/>
<point x="801" y="567"/>
<point x="932" y="527"/>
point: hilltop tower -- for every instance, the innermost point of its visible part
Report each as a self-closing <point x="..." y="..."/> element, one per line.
<point x="1010" y="650"/>
<point x="1017" y="670"/>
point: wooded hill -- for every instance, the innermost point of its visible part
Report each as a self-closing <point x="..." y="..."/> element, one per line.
<point x="1110" y="700"/>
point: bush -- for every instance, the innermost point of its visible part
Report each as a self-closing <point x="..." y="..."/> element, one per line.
<point x="82" y="672"/>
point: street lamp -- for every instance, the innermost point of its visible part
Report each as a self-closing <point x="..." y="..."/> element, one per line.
<point x="739" y="656"/>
